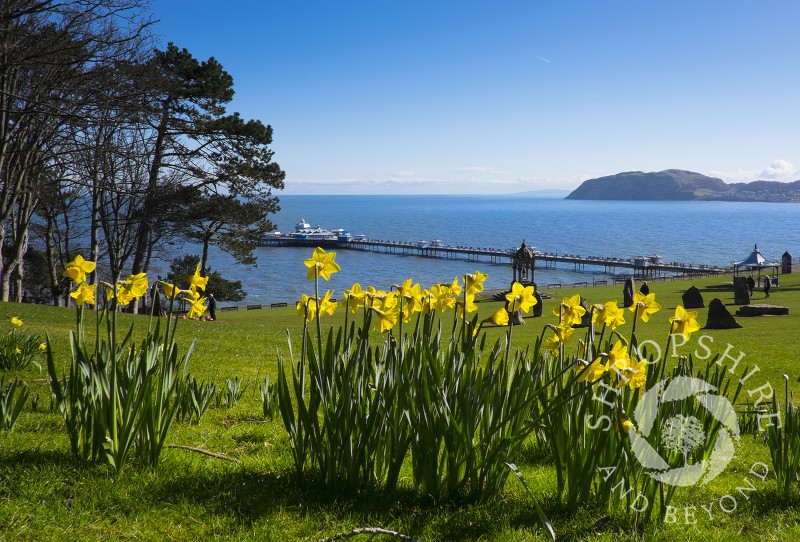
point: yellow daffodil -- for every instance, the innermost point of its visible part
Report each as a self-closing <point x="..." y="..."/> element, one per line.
<point x="386" y="320"/>
<point x="17" y="351"/>
<point x="618" y="358"/>
<point x="455" y="289"/>
<point x="412" y="296"/>
<point x="384" y="301"/>
<point x="634" y="375"/>
<point x="570" y="310"/>
<point x="561" y="334"/>
<point x="644" y="305"/>
<point x="197" y="308"/>
<point x="76" y="269"/>
<point x="307" y="308"/>
<point x="43" y="346"/>
<point x="499" y="317"/>
<point x="16" y="321"/>
<point x="474" y="282"/>
<point x="170" y="290"/>
<point x="520" y="298"/>
<point x="467" y="305"/>
<point x="684" y="322"/>
<point x="124" y="295"/>
<point x="133" y="288"/>
<point x="442" y="297"/>
<point x="426" y="300"/>
<point x="139" y="284"/>
<point x="197" y="281"/>
<point x="595" y="370"/>
<point x="608" y="314"/>
<point x="552" y="344"/>
<point x="109" y="290"/>
<point x="354" y="297"/>
<point x="321" y="264"/>
<point x="326" y="306"/>
<point x="623" y="423"/>
<point x="84" y="294"/>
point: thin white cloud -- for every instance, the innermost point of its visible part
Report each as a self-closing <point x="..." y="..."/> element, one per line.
<point x="779" y="170"/>
<point x="543" y="59"/>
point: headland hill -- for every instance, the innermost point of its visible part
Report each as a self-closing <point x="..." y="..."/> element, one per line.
<point x="680" y="185"/>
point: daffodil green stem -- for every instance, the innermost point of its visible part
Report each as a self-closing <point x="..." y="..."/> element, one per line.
<point x="666" y="350"/>
<point x="633" y="329"/>
<point x="317" y="301"/>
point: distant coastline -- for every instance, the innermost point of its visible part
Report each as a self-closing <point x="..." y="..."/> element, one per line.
<point x="680" y="185"/>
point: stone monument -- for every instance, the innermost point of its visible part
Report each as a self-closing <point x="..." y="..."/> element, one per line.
<point x="627" y="292"/>
<point x="741" y="293"/>
<point x="693" y="299"/>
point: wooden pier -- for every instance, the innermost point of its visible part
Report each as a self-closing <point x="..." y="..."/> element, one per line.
<point x="640" y="267"/>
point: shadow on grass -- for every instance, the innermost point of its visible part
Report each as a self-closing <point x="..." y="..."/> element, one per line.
<point x="254" y="496"/>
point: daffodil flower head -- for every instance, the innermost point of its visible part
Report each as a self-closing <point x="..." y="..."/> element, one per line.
<point x="133" y="288"/>
<point x="570" y="310"/>
<point x="16" y="321"/>
<point x="196" y="280"/>
<point x="594" y="371"/>
<point x="634" y="375"/>
<point x="197" y="308"/>
<point x="354" y="297"/>
<point x="307" y="308"/>
<point x="326" y="306"/>
<point x="499" y="317"/>
<point x="609" y="314"/>
<point x="624" y="424"/>
<point x="618" y="358"/>
<point x="386" y="320"/>
<point x="76" y="269"/>
<point x="520" y="298"/>
<point x="684" y="322"/>
<point x="455" y="289"/>
<point x="467" y="305"/>
<point x="552" y="344"/>
<point x="84" y="294"/>
<point x="43" y="347"/>
<point x="474" y="282"/>
<point x="644" y="305"/>
<point x="170" y="290"/>
<point x="442" y="297"/>
<point x="321" y="264"/>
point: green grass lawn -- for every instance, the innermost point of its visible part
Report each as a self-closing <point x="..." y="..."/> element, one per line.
<point x="45" y="495"/>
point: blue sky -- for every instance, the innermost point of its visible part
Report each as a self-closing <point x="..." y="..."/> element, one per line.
<point x="464" y="97"/>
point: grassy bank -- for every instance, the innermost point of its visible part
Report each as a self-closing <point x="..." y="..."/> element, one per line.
<point x="253" y="493"/>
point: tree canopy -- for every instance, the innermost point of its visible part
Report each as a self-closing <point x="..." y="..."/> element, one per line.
<point x="119" y="150"/>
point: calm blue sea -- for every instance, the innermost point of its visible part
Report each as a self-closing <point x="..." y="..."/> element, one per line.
<point x="713" y="233"/>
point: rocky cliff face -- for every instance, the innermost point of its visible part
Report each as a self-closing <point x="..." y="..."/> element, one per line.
<point x="669" y="185"/>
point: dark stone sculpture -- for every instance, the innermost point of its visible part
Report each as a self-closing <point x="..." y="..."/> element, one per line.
<point x="693" y="299"/>
<point x="719" y="317"/>
<point x="627" y="292"/>
<point x="587" y="317"/>
<point x="537" y="309"/>
<point x="741" y="294"/>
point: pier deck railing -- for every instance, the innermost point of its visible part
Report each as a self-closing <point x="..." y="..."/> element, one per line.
<point x="496" y="256"/>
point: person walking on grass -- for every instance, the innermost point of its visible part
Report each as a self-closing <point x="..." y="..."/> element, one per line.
<point x="212" y="307"/>
<point x="766" y="285"/>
